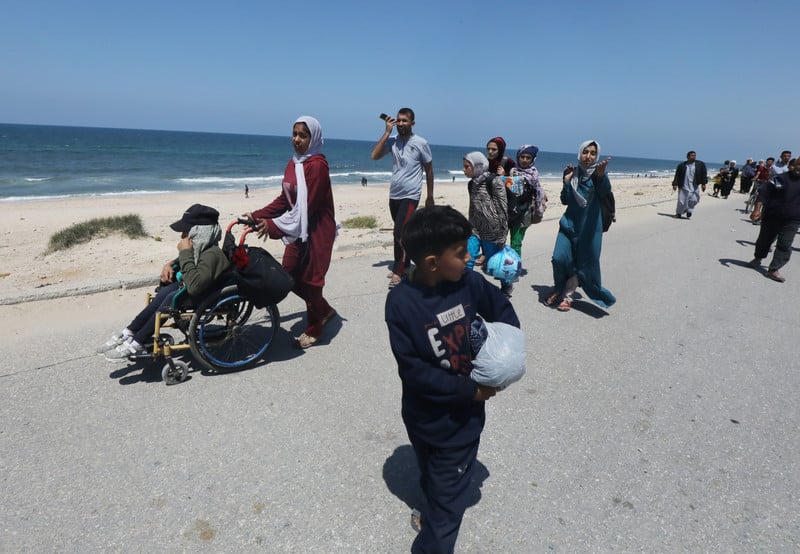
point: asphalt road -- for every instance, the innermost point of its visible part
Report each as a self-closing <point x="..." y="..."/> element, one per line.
<point x="668" y="423"/>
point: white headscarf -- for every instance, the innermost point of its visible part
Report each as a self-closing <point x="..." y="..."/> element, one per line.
<point x="480" y="163"/>
<point x="294" y="223"/>
<point x="583" y="173"/>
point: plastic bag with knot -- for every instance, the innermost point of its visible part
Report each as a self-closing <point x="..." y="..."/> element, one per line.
<point x="501" y="359"/>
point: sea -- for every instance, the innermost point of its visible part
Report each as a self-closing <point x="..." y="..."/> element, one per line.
<point x="47" y="162"/>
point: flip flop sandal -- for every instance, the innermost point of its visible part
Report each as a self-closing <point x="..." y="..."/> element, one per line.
<point x="552" y="298"/>
<point x="394" y="282"/>
<point x="565" y="306"/>
<point x="304" y="341"/>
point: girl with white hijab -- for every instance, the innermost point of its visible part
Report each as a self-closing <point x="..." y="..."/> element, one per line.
<point x="576" y="256"/>
<point x="302" y="216"/>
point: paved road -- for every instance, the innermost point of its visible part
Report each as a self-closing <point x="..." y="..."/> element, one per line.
<point x="668" y="424"/>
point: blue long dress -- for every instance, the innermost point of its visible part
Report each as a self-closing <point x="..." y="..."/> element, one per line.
<point x="580" y="239"/>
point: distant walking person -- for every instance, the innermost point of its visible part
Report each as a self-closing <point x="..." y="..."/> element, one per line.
<point x="763" y="171"/>
<point x="246" y="191"/>
<point x="747" y="176"/>
<point x="411" y="155"/>
<point x="781" y="166"/>
<point x="690" y="176"/>
<point x="780" y="203"/>
<point x="730" y="179"/>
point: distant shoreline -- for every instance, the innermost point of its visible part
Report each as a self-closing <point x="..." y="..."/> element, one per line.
<point x="254" y="189"/>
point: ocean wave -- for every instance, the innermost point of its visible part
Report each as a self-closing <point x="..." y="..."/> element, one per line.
<point x="43" y="197"/>
<point x="360" y="174"/>
<point x="37" y="179"/>
<point x="373" y="173"/>
<point x="243" y="180"/>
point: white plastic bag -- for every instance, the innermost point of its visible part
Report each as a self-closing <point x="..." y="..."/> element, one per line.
<point x="501" y="360"/>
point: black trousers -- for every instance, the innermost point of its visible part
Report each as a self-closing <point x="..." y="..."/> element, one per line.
<point x="401" y="211"/>
<point x="446" y="476"/>
<point x="782" y="229"/>
<point x="144" y="324"/>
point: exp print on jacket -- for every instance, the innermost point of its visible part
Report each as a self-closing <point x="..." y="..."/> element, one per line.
<point x="448" y="337"/>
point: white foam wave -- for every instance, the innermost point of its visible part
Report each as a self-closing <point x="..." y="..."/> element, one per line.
<point x="360" y="174"/>
<point x="243" y="180"/>
<point x="11" y="199"/>
<point x="37" y="180"/>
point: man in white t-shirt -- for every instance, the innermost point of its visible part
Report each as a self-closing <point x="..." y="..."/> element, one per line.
<point x="411" y="155"/>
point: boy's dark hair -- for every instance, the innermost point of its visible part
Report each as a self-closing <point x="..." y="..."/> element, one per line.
<point x="406" y="111"/>
<point x="771" y="158"/>
<point x="430" y="231"/>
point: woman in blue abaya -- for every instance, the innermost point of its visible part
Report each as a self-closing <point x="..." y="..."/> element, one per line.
<point x="576" y="257"/>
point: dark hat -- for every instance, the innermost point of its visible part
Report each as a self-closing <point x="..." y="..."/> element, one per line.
<point x="197" y="214"/>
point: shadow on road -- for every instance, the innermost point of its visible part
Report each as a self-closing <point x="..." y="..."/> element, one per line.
<point x="401" y="475"/>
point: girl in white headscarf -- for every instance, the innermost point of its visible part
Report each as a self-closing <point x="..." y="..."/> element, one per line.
<point x="488" y="211"/>
<point x="576" y="257"/>
<point x="302" y="216"/>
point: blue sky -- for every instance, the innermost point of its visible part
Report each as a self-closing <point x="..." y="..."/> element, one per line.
<point x="644" y="78"/>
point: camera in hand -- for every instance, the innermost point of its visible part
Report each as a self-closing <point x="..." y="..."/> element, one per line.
<point x="383" y="116"/>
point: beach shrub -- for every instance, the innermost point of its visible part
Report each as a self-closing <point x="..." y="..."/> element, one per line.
<point x="361" y="222"/>
<point x="79" y="233"/>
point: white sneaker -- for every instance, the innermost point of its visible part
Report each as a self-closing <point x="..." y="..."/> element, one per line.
<point x="123" y="351"/>
<point x="110" y="344"/>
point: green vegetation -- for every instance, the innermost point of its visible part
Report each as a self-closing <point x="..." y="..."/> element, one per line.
<point x="79" y="233"/>
<point x="361" y="222"/>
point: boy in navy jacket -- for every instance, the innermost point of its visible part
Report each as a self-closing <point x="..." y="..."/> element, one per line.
<point x="429" y="316"/>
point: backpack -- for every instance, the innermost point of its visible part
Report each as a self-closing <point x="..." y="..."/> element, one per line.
<point x="608" y="210"/>
<point x="259" y="276"/>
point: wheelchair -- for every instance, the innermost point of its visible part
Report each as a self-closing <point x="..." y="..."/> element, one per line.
<point x="224" y="330"/>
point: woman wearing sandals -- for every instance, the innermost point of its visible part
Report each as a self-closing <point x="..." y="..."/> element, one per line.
<point x="576" y="257"/>
<point x="302" y="216"/>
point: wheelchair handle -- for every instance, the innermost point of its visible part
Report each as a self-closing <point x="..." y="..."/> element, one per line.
<point x="249" y="223"/>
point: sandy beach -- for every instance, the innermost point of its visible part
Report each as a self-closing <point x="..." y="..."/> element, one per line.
<point x="27" y="273"/>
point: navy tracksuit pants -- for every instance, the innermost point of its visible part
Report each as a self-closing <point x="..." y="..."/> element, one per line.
<point x="445" y="477"/>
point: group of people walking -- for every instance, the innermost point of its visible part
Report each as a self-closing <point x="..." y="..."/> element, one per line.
<point x="777" y="210"/>
<point x="434" y="312"/>
<point x="505" y="198"/>
<point x="775" y="188"/>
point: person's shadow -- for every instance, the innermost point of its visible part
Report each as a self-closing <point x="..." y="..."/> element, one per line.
<point x="401" y="475"/>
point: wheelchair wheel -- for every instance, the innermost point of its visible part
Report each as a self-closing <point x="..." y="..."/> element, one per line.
<point x="228" y="332"/>
<point x="174" y="375"/>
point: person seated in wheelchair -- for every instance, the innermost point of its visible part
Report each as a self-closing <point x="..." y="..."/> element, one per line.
<point x="199" y="265"/>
